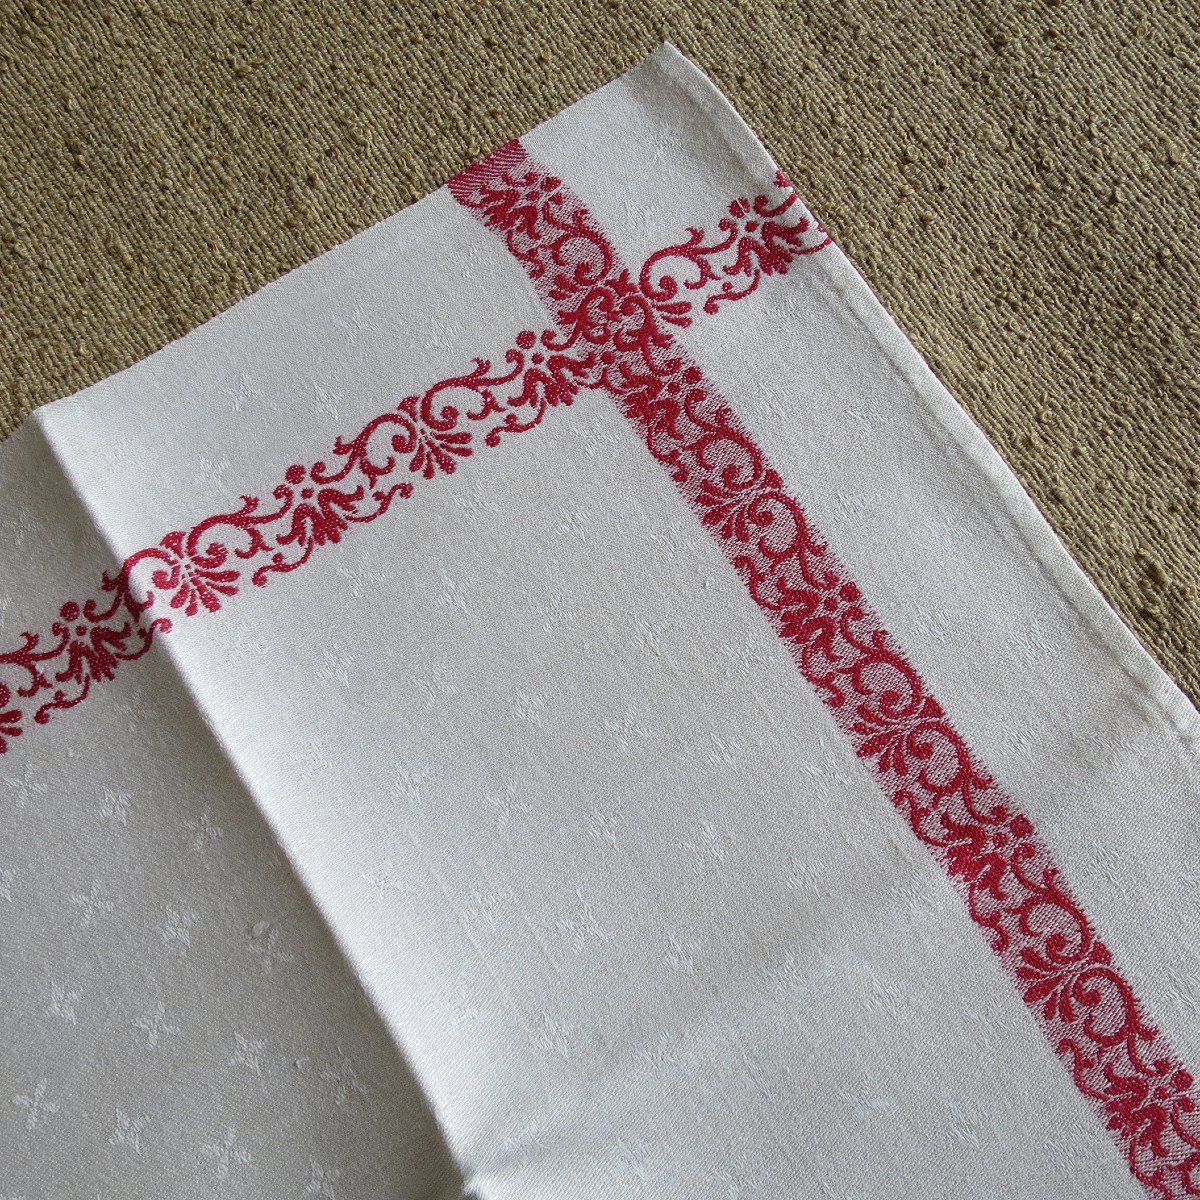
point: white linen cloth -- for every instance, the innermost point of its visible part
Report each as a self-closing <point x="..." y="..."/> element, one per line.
<point x="526" y="800"/>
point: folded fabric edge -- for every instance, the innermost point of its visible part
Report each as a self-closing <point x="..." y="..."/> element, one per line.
<point x="450" y="1168"/>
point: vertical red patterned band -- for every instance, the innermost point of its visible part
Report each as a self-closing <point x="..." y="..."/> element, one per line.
<point x="615" y="336"/>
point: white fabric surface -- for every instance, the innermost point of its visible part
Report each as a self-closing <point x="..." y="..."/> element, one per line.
<point x="502" y="849"/>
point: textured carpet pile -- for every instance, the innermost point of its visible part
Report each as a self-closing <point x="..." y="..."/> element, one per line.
<point x="1018" y="181"/>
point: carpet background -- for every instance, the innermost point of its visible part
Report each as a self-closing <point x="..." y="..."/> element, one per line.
<point x="1017" y="180"/>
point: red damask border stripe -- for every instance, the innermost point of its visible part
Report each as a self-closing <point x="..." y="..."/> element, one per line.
<point x="616" y="327"/>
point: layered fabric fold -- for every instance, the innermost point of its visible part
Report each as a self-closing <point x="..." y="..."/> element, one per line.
<point x="554" y="698"/>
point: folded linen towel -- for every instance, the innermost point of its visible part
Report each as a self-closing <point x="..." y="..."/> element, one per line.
<point x="732" y="788"/>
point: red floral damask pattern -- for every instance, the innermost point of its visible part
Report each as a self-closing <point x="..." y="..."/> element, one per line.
<point x="199" y="570"/>
<point x="614" y="325"/>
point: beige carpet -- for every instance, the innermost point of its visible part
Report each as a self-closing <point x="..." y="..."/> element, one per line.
<point x="1017" y="180"/>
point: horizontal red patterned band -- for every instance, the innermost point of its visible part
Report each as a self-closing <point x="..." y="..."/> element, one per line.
<point x="615" y="336"/>
<point x="201" y="569"/>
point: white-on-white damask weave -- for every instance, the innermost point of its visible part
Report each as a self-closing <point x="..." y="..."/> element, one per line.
<point x="553" y="698"/>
